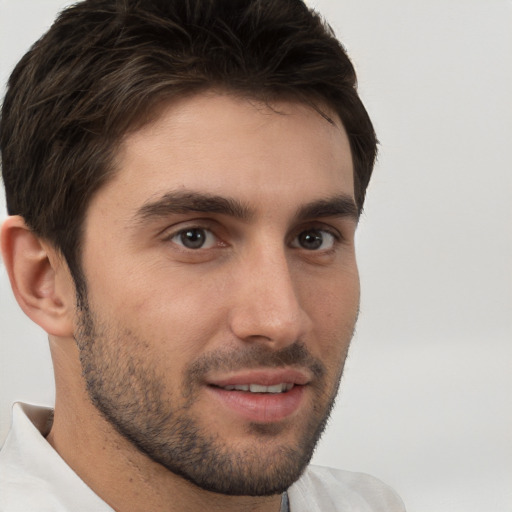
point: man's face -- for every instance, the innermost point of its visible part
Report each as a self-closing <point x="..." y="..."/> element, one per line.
<point x="222" y="289"/>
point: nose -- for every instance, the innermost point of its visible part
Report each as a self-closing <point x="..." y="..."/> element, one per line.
<point x="268" y="306"/>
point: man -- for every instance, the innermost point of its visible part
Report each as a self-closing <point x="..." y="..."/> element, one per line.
<point x="184" y="180"/>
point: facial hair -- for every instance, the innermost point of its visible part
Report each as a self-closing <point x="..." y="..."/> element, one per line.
<point x="129" y="391"/>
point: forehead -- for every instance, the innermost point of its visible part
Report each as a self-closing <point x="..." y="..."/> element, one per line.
<point x="279" y="153"/>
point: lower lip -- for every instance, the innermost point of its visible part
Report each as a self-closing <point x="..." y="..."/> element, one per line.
<point x="260" y="407"/>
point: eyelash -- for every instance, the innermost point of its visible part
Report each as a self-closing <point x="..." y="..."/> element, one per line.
<point x="189" y="229"/>
<point x="336" y="238"/>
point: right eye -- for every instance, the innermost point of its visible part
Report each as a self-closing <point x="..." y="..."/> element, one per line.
<point x="194" y="238"/>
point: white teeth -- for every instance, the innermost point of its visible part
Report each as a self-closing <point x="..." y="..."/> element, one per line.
<point x="257" y="388"/>
<point x="238" y="387"/>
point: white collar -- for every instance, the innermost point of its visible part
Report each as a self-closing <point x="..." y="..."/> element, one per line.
<point x="33" y="476"/>
<point x="32" y="472"/>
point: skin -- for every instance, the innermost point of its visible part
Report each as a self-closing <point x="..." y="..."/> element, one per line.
<point x="163" y="323"/>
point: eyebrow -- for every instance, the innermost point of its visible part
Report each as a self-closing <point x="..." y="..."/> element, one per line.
<point x="188" y="202"/>
<point x="184" y="202"/>
<point x="337" y="206"/>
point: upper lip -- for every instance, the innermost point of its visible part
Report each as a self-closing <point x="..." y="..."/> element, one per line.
<point x="263" y="377"/>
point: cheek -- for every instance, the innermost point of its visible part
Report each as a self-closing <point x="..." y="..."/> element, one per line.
<point x="174" y="314"/>
<point x="141" y="288"/>
<point x="333" y="309"/>
<point x="334" y="302"/>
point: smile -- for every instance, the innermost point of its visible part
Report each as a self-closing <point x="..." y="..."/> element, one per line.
<point x="258" y="388"/>
<point x="261" y="396"/>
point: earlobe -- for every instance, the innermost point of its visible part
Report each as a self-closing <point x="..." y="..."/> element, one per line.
<point x="39" y="278"/>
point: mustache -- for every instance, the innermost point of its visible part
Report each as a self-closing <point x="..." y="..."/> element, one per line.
<point x="253" y="357"/>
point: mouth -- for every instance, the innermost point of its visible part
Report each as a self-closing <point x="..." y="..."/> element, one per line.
<point x="258" y="388"/>
<point x="262" y="396"/>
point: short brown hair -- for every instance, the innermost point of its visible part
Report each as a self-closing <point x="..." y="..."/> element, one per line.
<point x="105" y="63"/>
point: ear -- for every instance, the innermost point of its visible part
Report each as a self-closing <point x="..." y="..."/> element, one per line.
<point x="40" y="278"/>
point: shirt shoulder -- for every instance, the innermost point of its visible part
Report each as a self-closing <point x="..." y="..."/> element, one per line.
<point x="32" y="474"/>
<point x="321" y="489"/>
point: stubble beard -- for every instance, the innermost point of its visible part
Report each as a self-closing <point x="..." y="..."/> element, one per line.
<point x="130" y="394"/>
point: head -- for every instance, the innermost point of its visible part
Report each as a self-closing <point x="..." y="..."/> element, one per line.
<point x="106" y="65"/>
<point x="254" y="81"/>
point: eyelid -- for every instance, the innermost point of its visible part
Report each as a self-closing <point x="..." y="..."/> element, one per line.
<point x="210" y="240"/>
<point x="332" y="237"/>
<point x="221" y="237"/>
<point x="169" y="232"/>
<point x="319" y="226"/>
<point x="181" y="225"/>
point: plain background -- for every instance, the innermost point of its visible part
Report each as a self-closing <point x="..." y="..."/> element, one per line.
<point x="426" y="397"/>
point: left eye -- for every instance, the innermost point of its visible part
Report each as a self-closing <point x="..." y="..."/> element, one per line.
<point x="314" y="240"/>
<point x="194" y="238"/>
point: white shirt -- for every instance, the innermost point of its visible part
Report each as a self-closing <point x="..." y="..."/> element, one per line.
<point x="33" y="477"/>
